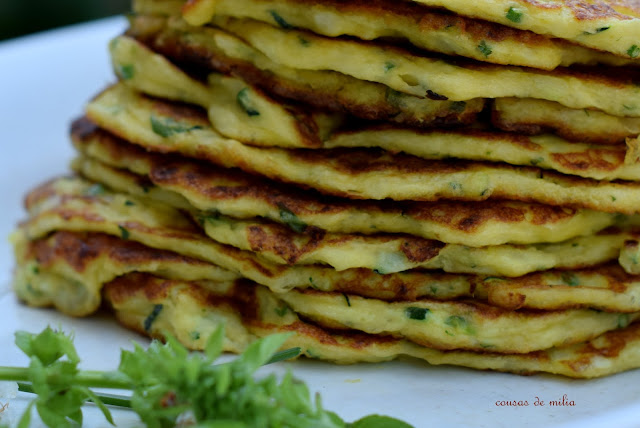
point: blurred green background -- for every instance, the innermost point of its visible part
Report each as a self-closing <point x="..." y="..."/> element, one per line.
<point x="19" y="17"/>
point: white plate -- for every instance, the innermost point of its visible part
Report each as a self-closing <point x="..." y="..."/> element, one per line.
<point x="46" y="79"/>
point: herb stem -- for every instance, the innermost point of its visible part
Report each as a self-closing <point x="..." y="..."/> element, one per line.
<point x="89" y="378"/>
<point x="111" y="380"/>
<point x="14" y="374"/>
<point x="108" y="399"/>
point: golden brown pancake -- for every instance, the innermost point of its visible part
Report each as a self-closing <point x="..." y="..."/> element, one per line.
<point x="239" y="111"/>
<point x="77" y="205"/>
<point x="426" y="28"/>
<point x="439" y="324"/>
<point x="298" y="244"/>
<point x="183" y="183"/>
<point x="454" y="324"/>
<point x="135" y="299"/>
<point x="545" y="151"/>
<point x="87" y="261"/>
<point x="212" y="49"/>
<point x="439" y="78"/>
<point x="192" y="310"/>
<point x="353" y="173"/>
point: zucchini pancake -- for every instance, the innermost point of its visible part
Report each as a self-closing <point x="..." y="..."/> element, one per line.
<point x="456" y="182"/>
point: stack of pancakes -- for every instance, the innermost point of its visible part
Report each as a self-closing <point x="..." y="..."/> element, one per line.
<point x="380" y="178"/>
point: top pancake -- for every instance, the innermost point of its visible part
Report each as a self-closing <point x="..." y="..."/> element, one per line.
<point x="435" y="77"/>
<point x="608" y="25"/>
<point x="426" y="28"/>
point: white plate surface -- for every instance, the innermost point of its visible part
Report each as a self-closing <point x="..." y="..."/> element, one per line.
<point x="46" y="79"/>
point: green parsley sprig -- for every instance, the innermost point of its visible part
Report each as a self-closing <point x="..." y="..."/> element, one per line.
<point x="171" y="386"/>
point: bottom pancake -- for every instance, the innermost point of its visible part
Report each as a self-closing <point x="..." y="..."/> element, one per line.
<point x="152" y="305"/>
<point x="192" y="311"/>
<point x="188" y="298"/>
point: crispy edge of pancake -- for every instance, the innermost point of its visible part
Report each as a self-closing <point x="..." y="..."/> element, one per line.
<point x="352" y="173"/>
<point x="240" y="195"/>
<point x="437" y="78"/>
<point x="530" y="116"/>
<point x="235" y="108"/>
<point x="605" y="287"/>
<point x="213" y="49"/>
<point x="87" y="261"/>
<point x="609" y="353"/>
<point x="549" y="152"/>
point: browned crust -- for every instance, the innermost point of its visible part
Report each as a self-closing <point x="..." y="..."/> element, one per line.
<point x="602" y="159"/>
<point x="291" y="246"/>
<point x="419" y="250"/>
<point x="569" y="133"/>
<point x="80" y="249"/>
<point x="609" y="345"/>
<point x="154" y="289"/>
<point x="128" y="286"/>
<point x="596" y="10"/>
<point x="280" y="240"/>
<point x="618" y="281"/>
<point x="631" y="244"/>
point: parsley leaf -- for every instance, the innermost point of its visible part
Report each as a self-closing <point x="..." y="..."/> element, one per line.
<point x="280" y="20"/>
<point x="416" y="313"/>
<point x="292" y="220"/>
<point x="244" y="100"/>
<point x="514" y="15"/>
<point x="484" y="49"/>
<point x="125" y="71"/>
<point x="167" y="126"/>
